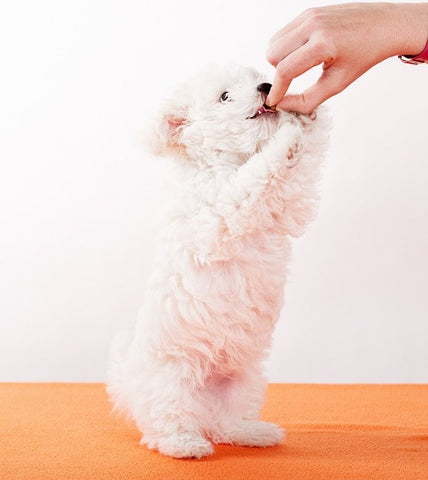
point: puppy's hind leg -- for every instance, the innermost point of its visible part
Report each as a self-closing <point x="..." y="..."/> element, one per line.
<point x="172" y="421"/>
<point x="238" y="422"/>
<point x="250" y="433"/>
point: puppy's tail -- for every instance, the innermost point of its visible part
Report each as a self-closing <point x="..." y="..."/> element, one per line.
<point x="117" y="372"/>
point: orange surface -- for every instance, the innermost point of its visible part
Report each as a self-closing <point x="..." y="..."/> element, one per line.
<point x="334" y="432"/>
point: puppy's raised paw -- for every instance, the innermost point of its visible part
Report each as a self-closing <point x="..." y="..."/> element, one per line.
<point x="293" y="156"/>
<point x="306" y="119"/>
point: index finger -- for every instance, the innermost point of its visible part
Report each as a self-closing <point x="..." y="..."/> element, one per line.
<point x="298" y="62"/>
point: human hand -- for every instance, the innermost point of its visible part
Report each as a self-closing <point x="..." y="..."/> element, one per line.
<point x="348" y="40"/>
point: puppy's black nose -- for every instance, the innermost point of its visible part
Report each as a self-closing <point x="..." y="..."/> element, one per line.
<point x="264" y="88"/>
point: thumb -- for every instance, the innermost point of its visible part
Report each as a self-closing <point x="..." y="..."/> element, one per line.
<point x="311" y="98"/>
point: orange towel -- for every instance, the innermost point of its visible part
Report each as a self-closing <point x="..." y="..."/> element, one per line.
<point x="334" y="432"/>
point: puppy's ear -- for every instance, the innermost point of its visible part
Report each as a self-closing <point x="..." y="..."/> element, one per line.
<point x="167" y="128"/>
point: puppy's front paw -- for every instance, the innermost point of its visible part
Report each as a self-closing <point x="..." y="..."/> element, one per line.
<point x="183" y="445"/>
<point x="289" y="140"/>
<point x="293" y="156"/>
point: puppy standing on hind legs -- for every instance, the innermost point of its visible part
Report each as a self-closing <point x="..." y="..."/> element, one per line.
<point x="191" y="374"/>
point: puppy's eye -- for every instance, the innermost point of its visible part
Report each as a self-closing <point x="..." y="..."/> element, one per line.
<point x="224" y="97"/>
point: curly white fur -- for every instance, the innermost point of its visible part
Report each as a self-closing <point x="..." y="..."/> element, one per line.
<point x="191" y="374"/>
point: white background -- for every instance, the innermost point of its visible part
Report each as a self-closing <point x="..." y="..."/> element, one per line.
<point x="79" y="200"/>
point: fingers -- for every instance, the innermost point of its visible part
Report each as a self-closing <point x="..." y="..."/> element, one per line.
<point x="344" y="38"/>
<point x="296" y="63"/>
<point x="290" y="27"/>
<point x="296" y="48"/>
<point x="285" y="45"/>
<point x="306" y="102"/>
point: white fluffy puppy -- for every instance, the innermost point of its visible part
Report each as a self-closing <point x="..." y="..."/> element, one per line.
<point x="191" y="374"/>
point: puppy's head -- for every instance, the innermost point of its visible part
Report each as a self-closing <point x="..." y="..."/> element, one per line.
<point x="216" y="115"/>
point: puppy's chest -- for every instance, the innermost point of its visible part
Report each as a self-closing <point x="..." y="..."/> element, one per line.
<point x="249" y="282"/>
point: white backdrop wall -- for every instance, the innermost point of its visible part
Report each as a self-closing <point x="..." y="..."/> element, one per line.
<point x="80" y="200"/>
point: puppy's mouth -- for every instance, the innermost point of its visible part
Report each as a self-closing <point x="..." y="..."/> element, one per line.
<point x="263" y="110"/>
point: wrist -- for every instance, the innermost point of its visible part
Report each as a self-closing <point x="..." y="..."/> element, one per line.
<point x="413" y="33"/>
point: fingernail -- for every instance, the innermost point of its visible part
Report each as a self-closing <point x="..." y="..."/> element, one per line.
<point x="268" y="103"/>
<point x="268" y="107"/>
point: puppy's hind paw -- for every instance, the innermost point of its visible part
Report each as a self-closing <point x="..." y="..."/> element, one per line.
<point x="183" y="445"/>
<point x="252" y="433"/>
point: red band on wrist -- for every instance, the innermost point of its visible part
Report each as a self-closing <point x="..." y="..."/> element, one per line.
<point x="416" y="59"/>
